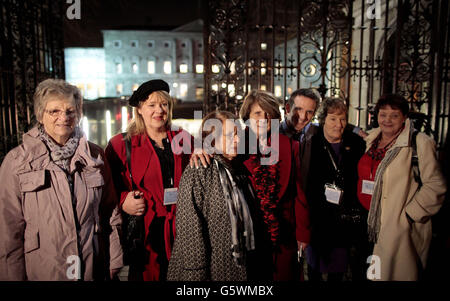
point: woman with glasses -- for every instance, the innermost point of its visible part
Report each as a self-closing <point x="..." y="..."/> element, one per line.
<point x="59" y="218"/>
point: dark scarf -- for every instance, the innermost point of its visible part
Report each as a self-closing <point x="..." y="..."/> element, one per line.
<point x="61" y="155"/>
<point x="242" y="235"/>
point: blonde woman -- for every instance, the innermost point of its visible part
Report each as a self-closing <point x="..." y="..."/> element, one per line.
<point x="147" y="188"/>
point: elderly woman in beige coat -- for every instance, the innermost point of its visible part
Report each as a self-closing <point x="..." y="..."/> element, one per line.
<point x="58" y="209"/>
<point x="399" y="207"/>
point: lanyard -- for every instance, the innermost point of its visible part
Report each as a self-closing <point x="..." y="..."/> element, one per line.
<point x="332" y="158"/>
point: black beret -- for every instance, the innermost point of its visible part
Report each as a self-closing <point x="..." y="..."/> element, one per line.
<point x="146" y="89"/>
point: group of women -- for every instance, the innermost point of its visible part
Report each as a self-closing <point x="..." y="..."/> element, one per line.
<point x="239" y="218"/>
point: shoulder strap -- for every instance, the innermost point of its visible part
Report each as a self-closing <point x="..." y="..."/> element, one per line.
<point x="415" y="158"/>
<point x="128" y="151"/>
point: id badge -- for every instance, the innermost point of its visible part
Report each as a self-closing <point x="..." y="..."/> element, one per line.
<point x="367" y="187"/>
<point x="170" y="196"/>
<point x="333" y="194"/>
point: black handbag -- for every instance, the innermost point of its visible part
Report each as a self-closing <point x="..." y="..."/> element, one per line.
<point x="133" y="227"/>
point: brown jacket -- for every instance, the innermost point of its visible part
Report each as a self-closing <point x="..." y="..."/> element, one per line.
<point x="403" y="242"/>
<point x="38" y="233"/>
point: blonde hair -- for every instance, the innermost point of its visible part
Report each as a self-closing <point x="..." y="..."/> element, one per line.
<point x="267" y="101"/>
<point x="56" y="89"/>
<point x="137" y="124"/>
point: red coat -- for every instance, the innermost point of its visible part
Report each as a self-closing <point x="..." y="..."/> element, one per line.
<point x="294" y="212"/>
<point x="146" y="171"/>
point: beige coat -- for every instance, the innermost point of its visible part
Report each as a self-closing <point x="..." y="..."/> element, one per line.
<point x="38" y="236"/>
<point x="403" y="243"/>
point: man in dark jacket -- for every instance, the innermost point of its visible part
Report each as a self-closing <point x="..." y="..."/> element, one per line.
<point x="300" y="110"/>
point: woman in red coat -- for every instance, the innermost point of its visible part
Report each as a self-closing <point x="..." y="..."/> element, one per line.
<point x="158" y="158"/>
<point x="273" y="161"/>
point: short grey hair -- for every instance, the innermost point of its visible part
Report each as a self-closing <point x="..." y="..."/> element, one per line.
<point x="56" y="87"/>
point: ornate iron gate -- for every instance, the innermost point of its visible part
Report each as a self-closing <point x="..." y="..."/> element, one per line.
<point x="355" y="49"/>
<point x="31" y="49"/>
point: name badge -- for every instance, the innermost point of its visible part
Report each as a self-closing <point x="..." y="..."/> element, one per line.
<point x="170" y="196"/>
<point x="333" y="194"/>
<point x="367" y="187"/>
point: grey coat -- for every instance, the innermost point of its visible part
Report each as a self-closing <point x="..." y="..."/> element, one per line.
<point x="38" y="235"/>
<point x="202" y="248"/>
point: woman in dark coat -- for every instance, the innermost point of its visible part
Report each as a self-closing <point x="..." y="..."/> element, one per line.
<point x="219" y="235"/>
<point x="337" y="227"/>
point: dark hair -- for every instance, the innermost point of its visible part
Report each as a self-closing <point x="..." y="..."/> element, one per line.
<point x="331" y="105"/>
<point x="266" y="100"/>
<point x="395" y="101"/>
<point x="310" y="93"/>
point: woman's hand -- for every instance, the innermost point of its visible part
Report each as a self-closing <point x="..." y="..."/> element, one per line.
<point x="134" y="203"/>
<point x="201" y="155"/>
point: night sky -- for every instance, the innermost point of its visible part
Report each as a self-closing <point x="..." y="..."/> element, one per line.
<point x="126" y="14"/>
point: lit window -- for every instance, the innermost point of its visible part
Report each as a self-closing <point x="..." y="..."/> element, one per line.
<point x="151" y="67"/>
<point x="249" y="88"/>
<point x="215" y="68"/>
<point x="215" y="87"/>
<point x="183" y="90"/>
<point x="118" y="68"/>
<point x="183" y="68"/>
<point x="135" y="68"/>
<point x="175" y="85"/>
<point x="199" y="68"/>
<point x="124" y="119"/>
<point x="231" y="90"/>
<point x="233" y="68"/>
<point x="199" y="93"/>
<point x="135" y="87"/>
<point x="263" y="87"/>
<point x="224" y="85"/>
<point x="119" y="89"/>
<point x="278" y="91"/>
<point x="263" y="46"/>
<point x="263" y="69"/>
<point x="167" y="67"/>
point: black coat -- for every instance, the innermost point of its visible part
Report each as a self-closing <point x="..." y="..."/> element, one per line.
<point x="328" y="230"/>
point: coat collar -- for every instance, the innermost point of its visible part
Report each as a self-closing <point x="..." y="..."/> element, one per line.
<point x="402" y="140"/>
<point x="38" y="155"/>
<point x="143" y="155"/>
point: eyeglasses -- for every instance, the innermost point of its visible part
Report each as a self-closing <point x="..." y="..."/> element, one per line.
<point x="57" y="113"/>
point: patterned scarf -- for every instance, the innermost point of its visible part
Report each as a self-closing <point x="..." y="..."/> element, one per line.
<point x="242" y="235"/>
<point x="267" y="188"/>
<point x="374" y="219"/>
<point x="61" y="155"/>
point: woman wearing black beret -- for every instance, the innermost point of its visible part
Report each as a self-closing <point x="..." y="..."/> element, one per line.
<point x="147" y="164"/>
